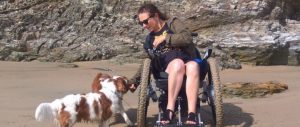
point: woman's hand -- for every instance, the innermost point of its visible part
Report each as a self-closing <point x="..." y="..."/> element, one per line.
<point x="158" y="40"/>
<point x="133" y="87"/>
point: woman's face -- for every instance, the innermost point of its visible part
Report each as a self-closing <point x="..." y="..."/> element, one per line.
<point x="148" y="22"/>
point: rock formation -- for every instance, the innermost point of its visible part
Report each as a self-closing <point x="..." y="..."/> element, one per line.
<point x="251" y="90"/>
<point x="260" y="32"/>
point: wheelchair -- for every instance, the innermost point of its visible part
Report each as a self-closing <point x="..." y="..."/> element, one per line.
<point x="209" y="92"/>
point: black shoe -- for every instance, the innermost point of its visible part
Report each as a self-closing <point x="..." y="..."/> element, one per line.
<point x="191" y="118"/>
<point x="167" y="117"/>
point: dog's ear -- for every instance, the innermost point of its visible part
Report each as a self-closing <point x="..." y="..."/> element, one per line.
<point x="96" y="86"/>
<point x="121" y="84"/>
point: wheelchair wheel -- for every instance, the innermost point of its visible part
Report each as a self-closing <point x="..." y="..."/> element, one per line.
<point x="143" y="98"/>
<point x="214" y="92"/>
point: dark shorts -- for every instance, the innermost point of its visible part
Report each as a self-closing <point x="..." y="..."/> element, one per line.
<point x="160" y="64"/>
<point x="203" y="67"/>
<point x="167" y="57"/>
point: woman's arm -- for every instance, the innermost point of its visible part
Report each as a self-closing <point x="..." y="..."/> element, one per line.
<point x="181" y="35"/>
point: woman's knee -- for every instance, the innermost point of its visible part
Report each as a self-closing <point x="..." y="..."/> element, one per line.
<point x="192" y="68"/>
<point x="176" y="65"/>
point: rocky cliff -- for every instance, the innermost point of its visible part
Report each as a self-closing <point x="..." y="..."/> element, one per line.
<point x="260" y="32"/>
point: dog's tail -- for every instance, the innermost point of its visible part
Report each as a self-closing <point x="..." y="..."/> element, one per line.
<point x="96" y="83"/>
<point x="47" y="112"/>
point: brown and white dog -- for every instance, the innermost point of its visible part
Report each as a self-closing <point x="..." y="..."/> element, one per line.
<point x="99" y="105"/>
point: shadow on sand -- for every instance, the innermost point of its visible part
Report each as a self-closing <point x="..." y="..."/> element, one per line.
<point x="233" y="116"/>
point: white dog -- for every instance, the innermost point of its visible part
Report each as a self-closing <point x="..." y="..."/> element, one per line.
<point x="99" y="105"/>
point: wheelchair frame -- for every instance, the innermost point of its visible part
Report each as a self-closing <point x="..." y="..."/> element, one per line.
<point x="211" y="93"/>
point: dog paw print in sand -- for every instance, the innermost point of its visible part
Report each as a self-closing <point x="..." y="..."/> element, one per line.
<point x="251" y="89"/>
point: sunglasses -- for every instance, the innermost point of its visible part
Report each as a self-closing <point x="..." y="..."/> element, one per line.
<point x="146" y="21"/>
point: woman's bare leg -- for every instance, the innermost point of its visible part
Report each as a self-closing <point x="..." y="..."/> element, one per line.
<point x="176" y="71"/>
<point x="192" y="86"/>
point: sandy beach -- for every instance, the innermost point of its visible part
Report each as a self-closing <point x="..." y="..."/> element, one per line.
<point x="23" y="85"/>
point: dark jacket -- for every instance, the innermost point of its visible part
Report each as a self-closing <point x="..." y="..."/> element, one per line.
<point x="180" y="36"/>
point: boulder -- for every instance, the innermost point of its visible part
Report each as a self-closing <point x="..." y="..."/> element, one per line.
<point x="251" y="89"/>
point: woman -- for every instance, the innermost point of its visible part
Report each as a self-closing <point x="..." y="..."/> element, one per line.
<point x="174" y="41"/>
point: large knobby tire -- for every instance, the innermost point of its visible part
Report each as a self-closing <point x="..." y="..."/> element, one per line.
<point x="143" y="99"/>
<point x="217" y="98"/>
